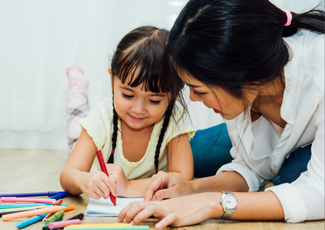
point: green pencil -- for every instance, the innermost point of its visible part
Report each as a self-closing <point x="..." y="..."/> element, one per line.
<point x="59" y="218"/>
<point x="51" y="218"/>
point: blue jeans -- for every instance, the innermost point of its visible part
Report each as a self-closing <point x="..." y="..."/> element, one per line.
<point x="211" y="150"/>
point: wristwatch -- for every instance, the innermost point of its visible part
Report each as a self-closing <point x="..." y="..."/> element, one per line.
<point x="229" y="204"/>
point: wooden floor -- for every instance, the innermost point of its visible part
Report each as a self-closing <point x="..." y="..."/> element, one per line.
<point x="39" y="170"/>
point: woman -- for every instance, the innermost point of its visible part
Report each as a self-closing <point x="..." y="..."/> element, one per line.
<point x="262" y="69"/>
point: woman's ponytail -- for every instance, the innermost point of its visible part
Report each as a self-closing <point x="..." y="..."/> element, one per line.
<point x="312" y="20"/>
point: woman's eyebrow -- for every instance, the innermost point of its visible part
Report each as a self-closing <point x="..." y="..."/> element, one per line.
<point x="193" y="86"/>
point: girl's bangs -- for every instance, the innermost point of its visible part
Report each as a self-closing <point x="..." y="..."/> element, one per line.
<point x="144" y="66"/>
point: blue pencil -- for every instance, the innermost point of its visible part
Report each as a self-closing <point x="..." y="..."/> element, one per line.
<point x="59" y="195"/>
<point x="30" y="221"/>
<point x="6" y="206"/>
<point x="31" y="194"/>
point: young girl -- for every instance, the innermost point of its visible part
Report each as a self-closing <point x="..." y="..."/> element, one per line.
<point x="262" y="69"/>
<point x="140" y="131"/>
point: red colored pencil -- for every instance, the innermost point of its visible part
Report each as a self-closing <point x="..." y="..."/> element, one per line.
<point x="104" y="170"/>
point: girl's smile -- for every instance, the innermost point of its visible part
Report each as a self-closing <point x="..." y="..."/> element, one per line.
<point x="136" y="118"/>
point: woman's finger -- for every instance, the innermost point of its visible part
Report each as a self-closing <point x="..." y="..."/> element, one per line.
<point x="159" y="181"/>
<point x="122" y="214"/>
<point x="168" y="220"/>
<point x="136" y="208"/>
<point x="150" y="210"/>
<point x="166" y="193"/>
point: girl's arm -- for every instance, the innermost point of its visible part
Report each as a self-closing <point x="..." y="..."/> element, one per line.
<point x="180" y="158"/>
<point x="75" y="177"/>
<point x="180" y="164"/>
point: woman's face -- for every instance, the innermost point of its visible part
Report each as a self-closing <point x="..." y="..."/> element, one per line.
<point x="218" y="99"/>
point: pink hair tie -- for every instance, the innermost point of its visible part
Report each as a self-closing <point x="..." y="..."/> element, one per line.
<point x="113" y="151"/>
<point x="289" y="18"/>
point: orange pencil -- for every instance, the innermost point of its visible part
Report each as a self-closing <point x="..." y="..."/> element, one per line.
<point x="36" y="212"/>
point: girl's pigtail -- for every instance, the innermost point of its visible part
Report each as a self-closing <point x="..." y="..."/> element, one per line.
<point x="114" y="135"/>
<point x="161" y="136"/>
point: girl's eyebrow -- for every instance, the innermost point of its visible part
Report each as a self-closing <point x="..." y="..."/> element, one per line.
<point x="126" y="88"/>
<point x="158" y="94"/>
<point x="152" y="94"/>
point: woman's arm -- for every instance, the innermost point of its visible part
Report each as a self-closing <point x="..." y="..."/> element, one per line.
<point x="168" y="186"/>
<point x="196" y="208"/>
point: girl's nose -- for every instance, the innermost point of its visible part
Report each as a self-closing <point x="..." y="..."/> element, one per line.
<point x="138" y="107"/>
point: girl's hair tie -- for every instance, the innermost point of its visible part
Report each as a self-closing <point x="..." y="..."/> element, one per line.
<point x="289" y="18"/>
<point x="113" y="151"/>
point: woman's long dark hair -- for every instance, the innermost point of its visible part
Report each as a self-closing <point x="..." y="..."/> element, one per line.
<point x="138" y="59"/>
<point x="234" y="44"/>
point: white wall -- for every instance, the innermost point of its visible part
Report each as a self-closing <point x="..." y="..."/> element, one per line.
<point x="40" y="38"/>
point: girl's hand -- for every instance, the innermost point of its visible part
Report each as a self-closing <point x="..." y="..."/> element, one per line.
<point x="117" y="176"/>
<point x="165" y="186"/>
<point x="175" y="212"/>
<point x="95" y="184"/>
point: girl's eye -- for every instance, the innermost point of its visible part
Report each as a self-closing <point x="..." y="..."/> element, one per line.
<point x="155" y="102"/>
<point x="198" y="93"/>
<point x="127" y="96"/>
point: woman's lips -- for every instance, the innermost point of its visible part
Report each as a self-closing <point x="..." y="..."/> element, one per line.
<point x="216" y="111"/>
<point x="135" y="118"/>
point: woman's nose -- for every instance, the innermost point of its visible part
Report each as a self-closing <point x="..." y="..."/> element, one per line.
<point x="193" y="97"/>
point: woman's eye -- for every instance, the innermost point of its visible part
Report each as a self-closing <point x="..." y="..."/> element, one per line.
<point x="155" y="102"/>
<point x="127" y="96"/>
<point x="198" y="93"/>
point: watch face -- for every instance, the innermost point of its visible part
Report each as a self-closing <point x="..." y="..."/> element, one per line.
<point x="229" y="202"/>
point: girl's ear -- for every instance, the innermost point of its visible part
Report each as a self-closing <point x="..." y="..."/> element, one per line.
<point x="110" y="73"/>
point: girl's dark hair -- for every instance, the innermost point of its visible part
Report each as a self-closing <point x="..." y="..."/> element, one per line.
<point x="138" y="59"/>
<point x="234" y="44"/>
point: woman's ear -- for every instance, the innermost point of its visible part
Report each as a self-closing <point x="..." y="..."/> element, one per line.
<point x="112" y="79"/>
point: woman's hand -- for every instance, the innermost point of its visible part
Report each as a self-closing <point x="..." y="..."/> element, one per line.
<point x="95" y="184"/>
<point x="165" y="186"/>
<point x="176" y="212"/>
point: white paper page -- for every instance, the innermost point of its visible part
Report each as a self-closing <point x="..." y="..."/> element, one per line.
<point x="105" y="207"/>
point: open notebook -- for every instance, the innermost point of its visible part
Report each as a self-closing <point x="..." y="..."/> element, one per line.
<point x="105" y="207"/>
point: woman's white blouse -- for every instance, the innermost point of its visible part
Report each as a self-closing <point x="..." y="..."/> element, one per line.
<point x="259" y="150"/>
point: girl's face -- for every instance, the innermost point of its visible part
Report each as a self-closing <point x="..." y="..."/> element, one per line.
<point x="228" y="106"/>
<point x="137" y="108"/>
